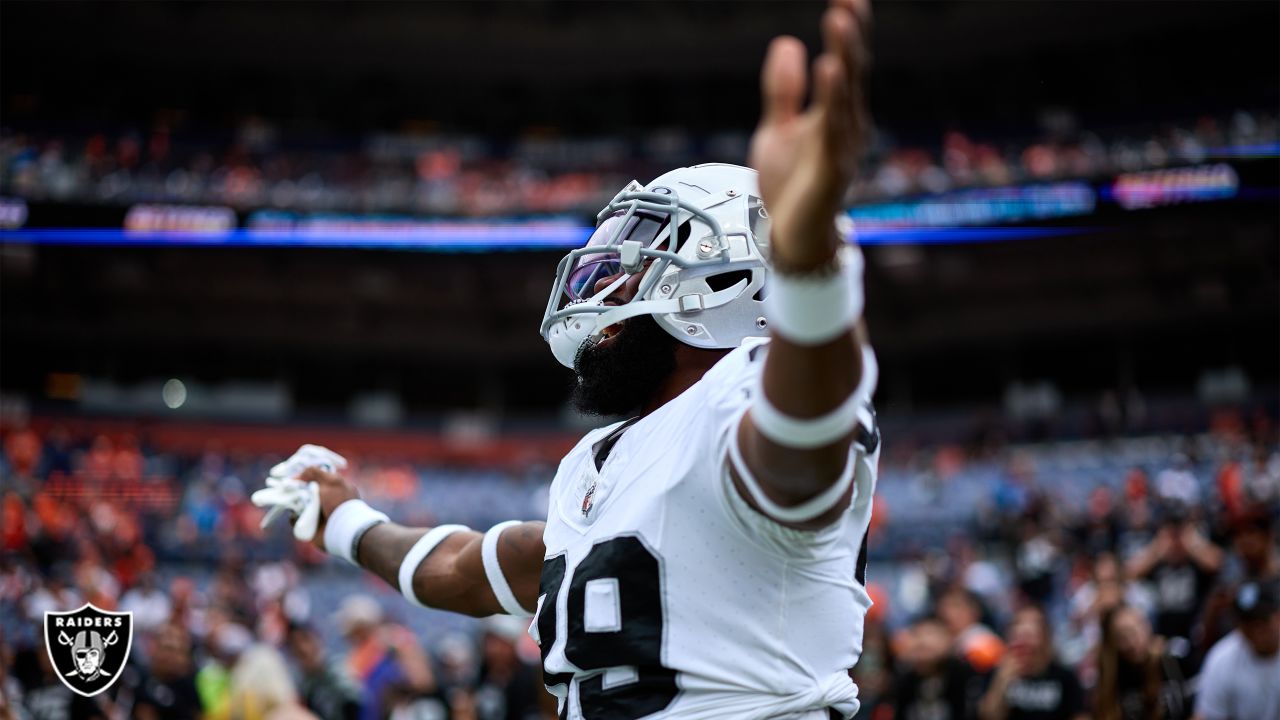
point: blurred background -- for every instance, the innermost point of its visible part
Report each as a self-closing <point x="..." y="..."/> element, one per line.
<point x="227" y="229"/>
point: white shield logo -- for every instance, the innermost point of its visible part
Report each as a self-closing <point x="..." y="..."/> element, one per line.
<point x="88" y="647"/>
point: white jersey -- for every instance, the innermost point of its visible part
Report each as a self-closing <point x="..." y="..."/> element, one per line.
<point x="664" y="595"/>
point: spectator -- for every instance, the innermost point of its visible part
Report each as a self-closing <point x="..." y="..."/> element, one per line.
<point x="1137" y="514"/>
<point x="149" y="604"/>
<point x="326" y="690"/>
<point x="1262" y="477"/>
<point x="166" y="690"/>
<point x="509" y="688"/>
<point x="1182" y="564"/>
<point x="10" y="689"/>
<point x="1253" y="559"/>
<point x="1140" y="677"/>
<point x="459" y="666"/>
<point x="1241" y="675"/>
<point x="23" y="450"/>
<point x="1177" y="485"/>
<point x="1099" y="532"/>
<point x="1029" y="684"/>
<point x="213" y="682"/>
<point x="44" y="697"/>
<point x="386" y="660"/>
<point x="1036" y="557"/>
<point x="53" y="595"/>
<point x="1103" y="592"/>
<point x="874" y="673"/>
<point x="1253" y="541"/>
<point x="935" y="685"/>
<point x="187" y="606"/>
<point x="261" y="689"/>
<point x="961" y="611"/>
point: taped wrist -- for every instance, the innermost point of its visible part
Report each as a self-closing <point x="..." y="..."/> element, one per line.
<point x="347" y="524"/>
<point x="417" y="554"/>
<point x="815" y="308"/>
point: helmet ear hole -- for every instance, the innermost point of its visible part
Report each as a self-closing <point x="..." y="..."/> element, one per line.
<point x="727" y="280"/>
<point x="682" y="233"/>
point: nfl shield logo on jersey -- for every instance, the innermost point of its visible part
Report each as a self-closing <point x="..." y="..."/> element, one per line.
<point x="588" y="500"/>
<point x="88" y="647"/>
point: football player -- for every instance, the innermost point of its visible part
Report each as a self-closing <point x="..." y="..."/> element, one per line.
<point x="704" y="558"/>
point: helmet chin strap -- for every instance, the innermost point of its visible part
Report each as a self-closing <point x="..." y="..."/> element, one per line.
<point x="566" y="343"/>
<point x="684" y="303"/>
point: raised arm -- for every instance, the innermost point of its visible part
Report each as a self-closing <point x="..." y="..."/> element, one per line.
<point x="1207" y="556"/>
<point x="992" y="705"/>
<point x="451" y="568"/>
<point x="1145" y="560"/>
<point x="793" y="445"/>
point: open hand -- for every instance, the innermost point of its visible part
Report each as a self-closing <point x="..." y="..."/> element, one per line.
<point x="807" y="157"/>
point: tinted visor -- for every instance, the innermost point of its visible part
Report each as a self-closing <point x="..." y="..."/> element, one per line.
<point x="612" y="232"/>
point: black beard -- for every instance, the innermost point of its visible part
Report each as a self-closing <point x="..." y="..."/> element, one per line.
<point x="621" y="377"/>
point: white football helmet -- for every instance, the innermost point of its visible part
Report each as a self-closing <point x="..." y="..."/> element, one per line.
<point x="703" y="233"/>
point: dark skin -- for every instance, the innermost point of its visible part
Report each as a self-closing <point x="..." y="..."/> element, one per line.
<point x="805" y="156"/>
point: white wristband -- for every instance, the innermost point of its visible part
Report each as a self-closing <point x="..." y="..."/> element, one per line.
<point x="808" y="433"/>
<point x="817" y="308"/>
<point x="417" y="554"/>
<point x="493" y="570"/>
<point x="346" y="524"/>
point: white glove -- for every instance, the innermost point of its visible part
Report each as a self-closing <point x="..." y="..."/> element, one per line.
<point x="290" y="495"/>
<point x="285" y="493"/>
<point x="309" y="456"/>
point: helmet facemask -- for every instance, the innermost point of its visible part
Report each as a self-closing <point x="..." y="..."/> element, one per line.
<point x="702" y="262"/>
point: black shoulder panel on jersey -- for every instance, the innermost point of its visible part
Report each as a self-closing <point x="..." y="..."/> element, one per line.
<point x="869" y="437"/>
<point x="605" y="446"/>
<point x="860" y="567"/>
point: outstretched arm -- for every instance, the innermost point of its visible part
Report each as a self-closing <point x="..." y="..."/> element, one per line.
<point x="796" y="445"/>
<point x="453" y="575"/>
<point x="1146" y="559"/>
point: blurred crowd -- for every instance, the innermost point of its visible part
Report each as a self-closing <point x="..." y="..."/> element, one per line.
<point x="254" y="166"/>
<point x="1156" y="595"/>
<point x="231" y="653"/>
<point x="223" y="627"/>
<point x="1150" y="597"/>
